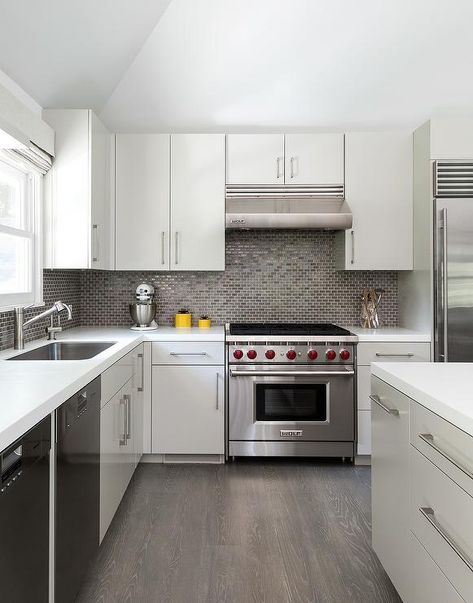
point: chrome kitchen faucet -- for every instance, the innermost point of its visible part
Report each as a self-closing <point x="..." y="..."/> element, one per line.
<point x="20" y="323"/>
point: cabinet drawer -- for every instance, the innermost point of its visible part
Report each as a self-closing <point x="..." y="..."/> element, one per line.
<point x="188" y="352"/>
<point x="363" y="387"/>
<point x="428" y="582"/>
<point x="448" y="447"/>
<point x="393" y="352"/>
<point x="441" y="518"/>
<point x="115" y="377"/>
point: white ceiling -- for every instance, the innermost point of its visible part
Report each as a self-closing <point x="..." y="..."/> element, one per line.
<point x="242" y="64"/>
<point x="72" y="53"/>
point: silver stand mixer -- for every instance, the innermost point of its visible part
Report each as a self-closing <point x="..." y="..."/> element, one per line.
<point x="143" y="310"/>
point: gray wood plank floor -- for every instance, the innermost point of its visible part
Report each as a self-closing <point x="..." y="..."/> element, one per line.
<point x="249" y="531"/>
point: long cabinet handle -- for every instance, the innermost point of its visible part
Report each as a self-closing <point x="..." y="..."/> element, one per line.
<point x="141" y="387"/>
<point x="377" y="400"/>
<point x="123" y="404"/>
<point x="128" y="416"/>
<point x="95" y="242"/>
<point x="217" y="388"/>
<point x="428" y="438"/>
<point x="278" y="167"/>
<point x="429" y="515"/>
<point x="292" y="167"/>
<point x="188" y="354"/>
<point x="382" y="355"/>
<point x="445" y="284"/>
<point x="352" y="247"/>
<point x="234" y="373"/>
<point x="176" y="248"/>
<point x="163" y="240"/>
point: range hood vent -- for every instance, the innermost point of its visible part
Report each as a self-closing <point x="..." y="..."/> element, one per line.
<point x="296" y="207"/>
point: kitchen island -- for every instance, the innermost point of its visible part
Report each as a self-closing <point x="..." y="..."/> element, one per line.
<point x="422" y="479"/>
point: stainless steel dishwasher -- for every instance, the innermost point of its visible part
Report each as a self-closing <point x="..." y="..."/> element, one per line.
<point x="77" y="489"/>
<point x="24" y="517"/>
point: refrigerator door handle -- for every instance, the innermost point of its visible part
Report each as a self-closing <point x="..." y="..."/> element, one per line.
<point x="443" y="228"/>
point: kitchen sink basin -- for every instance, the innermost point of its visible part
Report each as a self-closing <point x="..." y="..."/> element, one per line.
<point x="65" y="350"/>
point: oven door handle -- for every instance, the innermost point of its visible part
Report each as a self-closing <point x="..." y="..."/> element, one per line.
<point x="291" y="373"/>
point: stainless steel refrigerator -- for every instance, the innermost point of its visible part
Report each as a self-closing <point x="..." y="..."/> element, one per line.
<point x="453" y="261"/>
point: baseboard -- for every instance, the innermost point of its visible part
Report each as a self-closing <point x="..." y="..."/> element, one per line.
<point x="215" y="459"/>
<point x="364" y="459"/>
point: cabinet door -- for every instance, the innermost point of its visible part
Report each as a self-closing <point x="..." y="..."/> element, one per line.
<point x="138" y="385"/>
<point x="101" y="210"/>
<point x="378" y="188"/>
<point x="128" y="451"/>
<point x="390" y="482"/>
<point x="314" y="159"/>
<point x="188" y="409"/>
<point x="255" y="159"/>
<point x="198" y="202"/>
<point x="142" y="201"/>
<point x="112" y="473"/>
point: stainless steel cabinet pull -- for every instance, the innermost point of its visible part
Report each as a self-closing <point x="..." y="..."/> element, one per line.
<point x="141" y="388"/>
<point x="95" y="242"/>
<point x="428" y="438"/>
<point x="163" y="238"/>
<point x="377" y="400"/>
<point x="188" y="354"/>
<point x="352" y="246"/>
<point x="429" y="514"/>
<point x="123" y="405"/>
<point x="445" y="284"/>
<point x="278" y="167"/>
<point x="381" y="355"/>
<point x="216" y="399"/>
<point x="128" y="416"/>
<point x="292" y="167"/>
<point x="176" y="248"/>
<point x="290" y="373"/>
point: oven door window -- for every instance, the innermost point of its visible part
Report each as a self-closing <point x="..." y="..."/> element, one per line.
<point x="291" y="402"/>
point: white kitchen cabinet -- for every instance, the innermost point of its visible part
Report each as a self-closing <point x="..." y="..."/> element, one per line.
<point x="314" y="158"/>
<point x="255" y="159"/>
<point x="138" y="403"/>
<point x="197" y="202"/>
<point x="379" y="191"/>
<point x="78" y="206"/>
<point x="390" y="482"/>
<point x="142" y="201"/>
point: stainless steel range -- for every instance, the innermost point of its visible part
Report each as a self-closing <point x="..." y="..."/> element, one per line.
<point x="291" y="390"/>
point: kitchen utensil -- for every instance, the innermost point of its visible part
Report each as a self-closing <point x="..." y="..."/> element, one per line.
<point x="143" y="310"/>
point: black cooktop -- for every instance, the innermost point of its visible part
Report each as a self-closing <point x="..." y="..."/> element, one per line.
<point x="286" y="328"/>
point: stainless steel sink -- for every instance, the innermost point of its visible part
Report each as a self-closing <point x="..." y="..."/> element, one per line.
<point x="65" y="350"/>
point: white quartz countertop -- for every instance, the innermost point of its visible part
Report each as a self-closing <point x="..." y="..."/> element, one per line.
<point x="445" y="389"/>
<point x="31" y="389"/>
<point x="389" y="334"/>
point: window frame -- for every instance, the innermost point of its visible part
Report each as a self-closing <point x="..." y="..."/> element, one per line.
<point x="33" y="233"/>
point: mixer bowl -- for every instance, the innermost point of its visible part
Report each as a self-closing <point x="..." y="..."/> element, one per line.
<point x="143" y="314"/>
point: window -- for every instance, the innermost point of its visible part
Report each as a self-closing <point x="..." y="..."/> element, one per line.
<point x="20" y="245"/>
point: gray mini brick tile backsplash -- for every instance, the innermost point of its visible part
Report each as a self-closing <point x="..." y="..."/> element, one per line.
<point x="270" y="275"/>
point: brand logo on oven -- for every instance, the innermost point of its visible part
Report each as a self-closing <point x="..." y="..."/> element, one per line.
<point x="290" y="433"/>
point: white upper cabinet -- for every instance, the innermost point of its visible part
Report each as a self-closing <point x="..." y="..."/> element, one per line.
<point x="78" y="208"/>
<point x="255" y="159"/>
<point x="378" y="189"/>
<point x="197" y="202"/>
<point x="314" y="159"/>
<point x="142" y="201"/>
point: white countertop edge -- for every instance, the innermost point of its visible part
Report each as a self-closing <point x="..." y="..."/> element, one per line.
<point x="70" y="375"/>
<point x="389" y="335"/>
<point x="451" y="410"/>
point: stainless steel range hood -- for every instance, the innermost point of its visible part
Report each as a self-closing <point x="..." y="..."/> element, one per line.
<point x="301" y="207"/>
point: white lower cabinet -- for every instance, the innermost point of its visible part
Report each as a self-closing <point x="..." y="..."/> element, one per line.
<point x="188" y="409"/>
<point x="390" y="481"/>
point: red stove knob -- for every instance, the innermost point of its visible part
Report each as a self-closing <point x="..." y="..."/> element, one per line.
<point x="312" y="355"/>
<point x="270" y="354"/>
<point x="291" y="354"/>
<point x="251" y="354"/>
<point x="344" y="354"/>
<point x="331" y="354"/>
<point x="238" y="354"/>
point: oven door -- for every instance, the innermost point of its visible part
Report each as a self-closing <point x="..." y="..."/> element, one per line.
<point x="298" y="403"/>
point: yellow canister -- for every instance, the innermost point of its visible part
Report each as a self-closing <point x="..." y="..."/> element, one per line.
<point x="204" y="322"/>
<point x="183" y="319"/>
